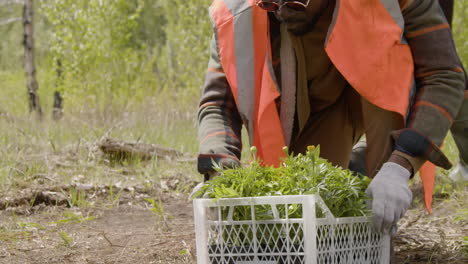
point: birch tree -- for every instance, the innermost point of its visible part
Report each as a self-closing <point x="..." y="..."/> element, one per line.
<point x="29" y="64"/>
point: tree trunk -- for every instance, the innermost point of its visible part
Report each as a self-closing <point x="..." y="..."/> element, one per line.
<point x="57" y="112"/>
<point x="29" y="64"/>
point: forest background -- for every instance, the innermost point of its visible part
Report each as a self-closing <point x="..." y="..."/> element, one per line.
<point x="120" y="54"/>
<point x="130" y="70"/>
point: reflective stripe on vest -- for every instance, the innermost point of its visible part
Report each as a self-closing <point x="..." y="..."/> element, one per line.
<point x="245" y="58"/>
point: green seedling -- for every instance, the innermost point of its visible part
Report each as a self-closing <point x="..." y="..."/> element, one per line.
<point x="66" y="239"/>
<point x="114" y="198"/>
<point x="185" y="252"/>
<point x="461" y="216"/>
<point x="158" y="209"/>
<point x="7" y="235"/>
<point x="77" y="198"/>
<point x="31" y="225"/>
<point x="15" y="236"/>
<point x="70" y="217"/>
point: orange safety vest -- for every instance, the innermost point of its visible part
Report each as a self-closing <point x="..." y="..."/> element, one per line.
<point x="365" y="43"/>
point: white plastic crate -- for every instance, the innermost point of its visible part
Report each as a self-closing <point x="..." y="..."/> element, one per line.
<point x="278" y="239"/>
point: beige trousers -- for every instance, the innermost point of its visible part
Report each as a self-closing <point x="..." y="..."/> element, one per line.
<point x="338" y="128"/>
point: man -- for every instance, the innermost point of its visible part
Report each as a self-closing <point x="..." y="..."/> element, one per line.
<point x="324" y="72"/>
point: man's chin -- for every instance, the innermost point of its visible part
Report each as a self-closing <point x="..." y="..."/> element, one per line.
<point x="298" y="28"/>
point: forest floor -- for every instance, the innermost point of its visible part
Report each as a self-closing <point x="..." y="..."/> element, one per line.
<point x="62" y="200"/>
<point x="135" y="223"/>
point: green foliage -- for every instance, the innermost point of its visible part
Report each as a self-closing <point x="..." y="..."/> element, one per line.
<point x="299" y="174"/>
<point x="114" y="198"/>
<point x="117" y="52"/>
<point x="461" y="216"/>
<point x="460" y="26"/>
<point x="343" y="193"/>
<point x="66" y="239"/>
<point x="150" y="33"/>
<point x="71" y="217"/>
<point x="185" y="55"/>
<point x="12" y="36"/>
<point x="77" y="198"/>
<point x="31" y="225"/>
<point x="92" y="45"/>
<point x="157" y="208"/>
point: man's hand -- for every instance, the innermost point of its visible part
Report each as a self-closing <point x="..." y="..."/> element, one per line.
<point x="390" y="195"/>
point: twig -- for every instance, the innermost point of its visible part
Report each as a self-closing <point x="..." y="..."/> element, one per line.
<point x="412" y="222"/>
<point x="41" y="176"/>
<point x="124" y="248"/>
<point x="158" y="244"/>
<point x="108" y="241"/>
<point x="29" y="249"/>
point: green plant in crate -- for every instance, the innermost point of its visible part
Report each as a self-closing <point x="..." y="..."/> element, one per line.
<point x="299" y="174"/>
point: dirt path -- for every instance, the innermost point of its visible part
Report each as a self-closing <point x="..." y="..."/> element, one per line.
<point x="135" y="232"/>
<point x="123" y="234"/>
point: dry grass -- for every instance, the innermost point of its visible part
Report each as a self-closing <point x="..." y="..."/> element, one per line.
<point x="63" y="201"/>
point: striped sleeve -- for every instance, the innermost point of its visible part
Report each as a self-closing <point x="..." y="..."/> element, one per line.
<point x="219" y="123"/>
<point x="447" y="8"/>
<point x="439" y="80"/>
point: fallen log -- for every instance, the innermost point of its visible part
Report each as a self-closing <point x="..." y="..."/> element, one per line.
<point x="124" y="150"/>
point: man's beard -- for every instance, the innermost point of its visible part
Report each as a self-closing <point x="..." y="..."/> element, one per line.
<point x="300" y="27"/>
<point x="299" y="23"/>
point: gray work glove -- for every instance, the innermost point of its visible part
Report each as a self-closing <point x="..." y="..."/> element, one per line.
<point x="390" y="195"/>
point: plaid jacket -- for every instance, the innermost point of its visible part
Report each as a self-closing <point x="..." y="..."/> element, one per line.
<point x="439" y="92"/>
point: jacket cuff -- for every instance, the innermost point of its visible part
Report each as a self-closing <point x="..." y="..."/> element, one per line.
<point x="415" y="144"/>
<point x="402" y="161"/>
<point x="207" y="162"/>
<point x="416" y="162"/>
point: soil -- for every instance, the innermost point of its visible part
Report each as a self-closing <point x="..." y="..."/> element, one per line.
<point x="134" y="231"/>
<point x="127" y="233"/>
